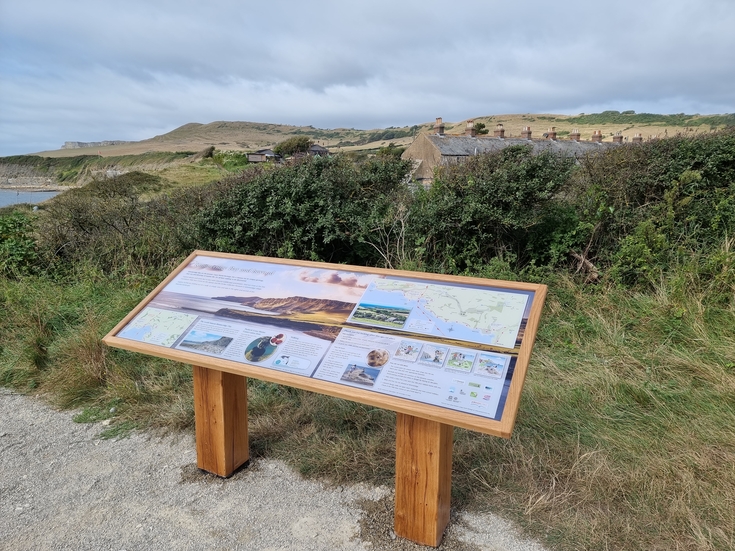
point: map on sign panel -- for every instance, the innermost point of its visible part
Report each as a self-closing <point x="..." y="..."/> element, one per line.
<point x="484" y="316"/>
<point x="155" y="326"/>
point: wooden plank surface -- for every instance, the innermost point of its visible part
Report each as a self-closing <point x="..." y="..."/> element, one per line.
<point x="423" y="479"/>
<point x="221" y="417"/>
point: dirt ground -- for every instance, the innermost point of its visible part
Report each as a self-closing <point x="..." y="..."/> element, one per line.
<point x="62" y="487"/>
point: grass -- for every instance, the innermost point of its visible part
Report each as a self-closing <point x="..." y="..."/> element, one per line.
<point x="189" y="175"/>
<point x="625" y="438"/>
<point x="182" y="169"/>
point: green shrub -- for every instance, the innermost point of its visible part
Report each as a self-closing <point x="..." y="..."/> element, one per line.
<point x="230" y="160"/>
<point x="486" y="207"/>
<point x="318" y="209"/>
<point x="17" y="245"/>
<point x="109" y="226"/>
<point x="650" y="205"/>
<point x="297" y="144"/>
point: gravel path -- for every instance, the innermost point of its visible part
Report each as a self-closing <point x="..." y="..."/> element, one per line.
<point x="61" y="487"/>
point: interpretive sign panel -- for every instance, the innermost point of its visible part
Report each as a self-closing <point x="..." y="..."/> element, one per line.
<point x="446" y="348"/>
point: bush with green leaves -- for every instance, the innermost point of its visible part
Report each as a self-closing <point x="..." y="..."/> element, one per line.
<point x="123" y="224"/>
<point x="487" y="207"/>
<point x="297" y="144"/>
<point x="651" y="206"/>
<point x="230" y="160"/>
<point x="391" y="150"/>
<point x="17" y="245"/>
<point x="322" y="208"/>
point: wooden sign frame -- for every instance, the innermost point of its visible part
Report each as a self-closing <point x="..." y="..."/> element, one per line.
<point x="380" y="337"/>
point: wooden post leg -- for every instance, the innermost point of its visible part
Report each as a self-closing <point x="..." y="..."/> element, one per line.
<point x="221" y="417"/>
<point x="423" y="479"/>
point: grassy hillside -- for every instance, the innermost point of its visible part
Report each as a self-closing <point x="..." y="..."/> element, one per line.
<point x="624" y="438"/>
<point x="182" y="168"/>
<point x="171" y="154"/>
<point x="249" y="136"/>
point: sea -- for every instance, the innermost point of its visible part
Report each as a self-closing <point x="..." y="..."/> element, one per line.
<point x="14" y="197"/>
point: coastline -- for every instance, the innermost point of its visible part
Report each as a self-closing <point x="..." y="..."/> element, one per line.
<point x="34" y="188"/>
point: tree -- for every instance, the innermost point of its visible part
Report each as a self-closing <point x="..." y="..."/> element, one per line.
<point x="391" y="150"/>
<point x="480" y="128"/>
<point x="297" y="144"/>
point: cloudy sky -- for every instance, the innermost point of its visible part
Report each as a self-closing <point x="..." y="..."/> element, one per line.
<point x="91" y="70"/>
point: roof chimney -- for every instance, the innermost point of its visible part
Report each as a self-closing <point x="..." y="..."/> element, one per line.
<point x="597" y="136"/>
<point x="574" y="136"/>
<point x="499" y="131"/>
<point x="618" y="138"/>
<point x="552" y="133"/>
<point x="526" y="132"/>
<point x="470" y="129"/>
<point x="439" y="126"/>
<point x="637" y="138"/>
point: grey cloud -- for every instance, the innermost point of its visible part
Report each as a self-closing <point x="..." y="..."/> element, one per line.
<point x="109" y="70"/>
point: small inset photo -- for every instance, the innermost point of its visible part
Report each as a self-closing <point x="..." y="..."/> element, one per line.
<point x="461" y="360"/>
<point x="434" y="355"/>
<point x="378" y="357"/>
<point x="203" y="341"/>
<point x="408" y="351"/>
<point x="360" y="374"/>
<point x="380" y="315"/>
<point x="263" y="348"/>
<point x="492" y="365"/>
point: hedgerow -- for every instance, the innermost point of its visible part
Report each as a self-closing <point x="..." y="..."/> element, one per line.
<point x="316" y="209"/>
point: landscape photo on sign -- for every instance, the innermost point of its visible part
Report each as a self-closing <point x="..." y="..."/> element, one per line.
<point x="207" y="342"/>
<point x="380" y="315"/>
<point x="360" y="374"/>
<point x="312" y="301"/>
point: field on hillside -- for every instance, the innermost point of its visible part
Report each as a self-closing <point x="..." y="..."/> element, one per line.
<point x="250" y="136"/>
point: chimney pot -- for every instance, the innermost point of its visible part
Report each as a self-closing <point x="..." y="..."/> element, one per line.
<point x="526" y="133"/>
<point x="618" y="138"/>
<point x="439" y="126"/>
<point x="499" y="131"/>
<point x="597" y="136"/>
<point x="574" y="135"/>
<point x="552" y="133"/>
<point x="638" y="138"/>
<point x="470" y="129"/>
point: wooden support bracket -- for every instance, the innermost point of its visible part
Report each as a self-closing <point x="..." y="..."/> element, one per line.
<point x="423" y="479"/>
<point x="221" y="417"/>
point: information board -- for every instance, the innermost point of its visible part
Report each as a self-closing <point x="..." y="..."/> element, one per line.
<point x="447" y="348"/>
